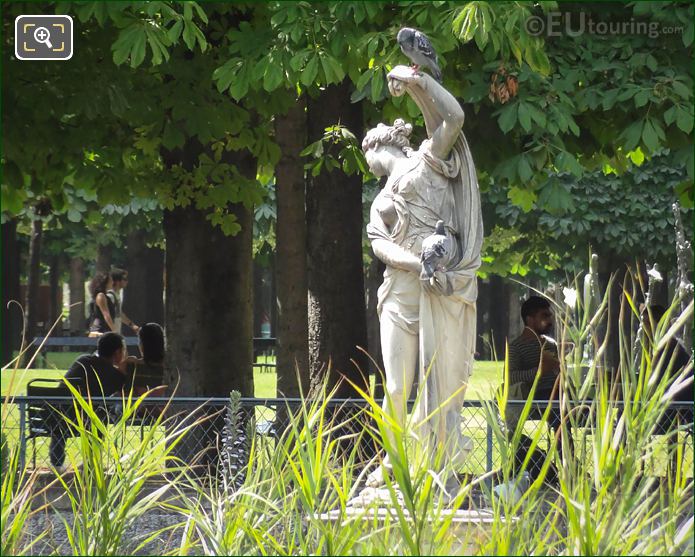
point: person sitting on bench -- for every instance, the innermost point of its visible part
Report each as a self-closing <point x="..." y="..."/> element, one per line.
<point x="100" y="376"/>
<point x="147" y="372"/>
<point x="530" y="353"/>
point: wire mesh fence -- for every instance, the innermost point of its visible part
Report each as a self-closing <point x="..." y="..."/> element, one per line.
<point x="37" y="424"/>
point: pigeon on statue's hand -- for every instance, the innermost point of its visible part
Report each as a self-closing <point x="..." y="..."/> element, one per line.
<point x="416" y="46"/>
<point x="435" y="250"/>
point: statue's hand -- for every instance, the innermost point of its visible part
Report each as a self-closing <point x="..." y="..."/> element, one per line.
<point x="438" y="284"/>
<point x="401" y="77"/>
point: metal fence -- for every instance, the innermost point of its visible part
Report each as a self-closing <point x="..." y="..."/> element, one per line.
<point x="31" y="422"/>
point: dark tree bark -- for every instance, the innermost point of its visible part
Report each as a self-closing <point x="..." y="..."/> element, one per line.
<point x="11" y="315"/>
<point x="33" y="278"/>
<point x="103" y="262"/>
<point x="56" y="294"/>
<point x="337" y="319"/>
<point x="143" y="300"/>
<point x="481" y="348"/>
<point x="208" y="308"/>
<point x="77" y="298"/>
<point x="208" y="320"/>
<point x="375" y="276"/>
<point x="291" y="255"/>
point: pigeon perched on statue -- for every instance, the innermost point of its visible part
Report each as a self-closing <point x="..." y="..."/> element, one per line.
<point x="416" y="46"/>
<point x="436" y="249"/>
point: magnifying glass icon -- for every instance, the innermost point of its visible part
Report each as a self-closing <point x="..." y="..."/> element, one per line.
<point x="43" y="36"/>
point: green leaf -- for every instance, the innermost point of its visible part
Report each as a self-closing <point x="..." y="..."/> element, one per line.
<point x="12" y="199"/>
<point x="566" y="162"/>
<point x="642" y="98"/>
<point x="555" y="198"/>
<point x="377" y="86"/>
<point x="524" y="170"/>
<point x="137" y="54"/>
<point x="683" y="90"/>
<point x="507" y="118"/>
<point x="223" y="77"/>
<point x="636" y="156"/>
<point x="684" y="120"/>
<point x="537" y="115"/>
<point x="273" y="77"/>
<point x="310" y="71"/>
<point x="524" y="116"/>
<point x="74" y="215"/>
<point x="632" y="135"/>
<point x="175" y="32"/>
<point x="522" y="197"/>
<point x="649" y="136"/>
<point x="201" y="13"/>
<point x="189" y="33"/>
<point x="240" y="84"/>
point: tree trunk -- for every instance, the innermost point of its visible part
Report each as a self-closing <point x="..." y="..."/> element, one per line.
<point x="375" y="276"/>
<point x="77" y="299"/>
<point x="33" y="279"/>
<point x="337" y="314"/>
<point x="56" y="295"/>
<point x="11" y="315"/>
<point x="103" y="262"/>
<point x="143" y="300"/>
<point x="208" y="309"/>
<point x="291" y="255"/>
<point x="514" y="323"/>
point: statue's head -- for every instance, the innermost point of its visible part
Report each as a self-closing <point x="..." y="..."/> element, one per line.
<point x="394" y="136"/>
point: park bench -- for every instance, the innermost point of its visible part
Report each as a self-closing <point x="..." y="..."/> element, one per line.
<point x="73" y="344"/>
<point x="261" y="347"/>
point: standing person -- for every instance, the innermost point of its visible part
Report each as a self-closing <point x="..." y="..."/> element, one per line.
<point x="102" y="308"/>
<point x="119" y="278"/>
<point x="98" y="376"/>
<point x="427" y="322"/>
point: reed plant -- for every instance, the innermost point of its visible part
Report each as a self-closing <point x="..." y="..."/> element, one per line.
<point x="625" y="486"/>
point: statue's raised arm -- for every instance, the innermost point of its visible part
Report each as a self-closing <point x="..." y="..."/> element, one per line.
<point x="442" y="112"/>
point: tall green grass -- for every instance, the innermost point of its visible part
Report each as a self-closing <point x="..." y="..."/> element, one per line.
<point x="294" y="493"/>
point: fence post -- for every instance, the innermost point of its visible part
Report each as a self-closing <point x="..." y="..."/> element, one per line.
<point x="22" y="436"/>
<point x="489" y="447"/>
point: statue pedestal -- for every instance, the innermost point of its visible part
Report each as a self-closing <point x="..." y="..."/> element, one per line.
<point x="373" y="508"/>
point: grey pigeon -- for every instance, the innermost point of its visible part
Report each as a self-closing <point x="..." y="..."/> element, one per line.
<point x="435" y="249"/>
<point x="416" y="46"/>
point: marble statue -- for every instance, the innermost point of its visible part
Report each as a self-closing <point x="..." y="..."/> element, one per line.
<point x="427" y="313"/>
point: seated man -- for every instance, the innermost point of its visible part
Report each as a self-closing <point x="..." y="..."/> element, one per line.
<point x="533" y="352"/>
<point x="99" y="376"/>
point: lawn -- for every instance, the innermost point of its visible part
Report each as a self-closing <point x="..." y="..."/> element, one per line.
<point x="485" y="379"/>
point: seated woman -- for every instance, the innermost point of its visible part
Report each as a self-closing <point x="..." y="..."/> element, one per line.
<point x="147" y="372"/>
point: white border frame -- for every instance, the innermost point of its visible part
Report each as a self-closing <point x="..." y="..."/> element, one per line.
<point x="16" y="34"/>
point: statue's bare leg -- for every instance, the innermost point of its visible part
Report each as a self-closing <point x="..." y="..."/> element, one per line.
<point x="400" y="351"/>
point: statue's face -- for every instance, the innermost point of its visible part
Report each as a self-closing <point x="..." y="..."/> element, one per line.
<point x="378" y="160"/>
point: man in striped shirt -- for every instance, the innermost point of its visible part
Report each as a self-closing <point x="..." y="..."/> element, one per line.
<point x="531" y="353"/>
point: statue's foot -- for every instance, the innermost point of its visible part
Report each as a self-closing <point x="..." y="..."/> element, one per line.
<point x="376" y="478"/>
